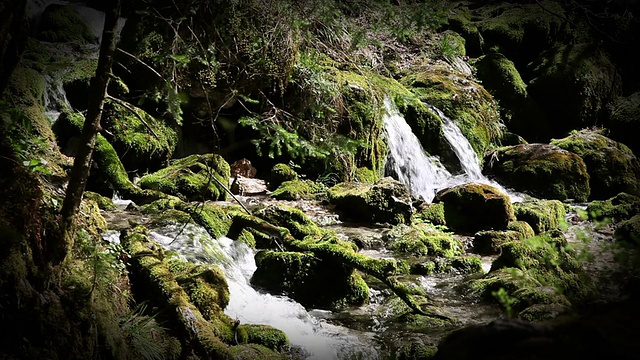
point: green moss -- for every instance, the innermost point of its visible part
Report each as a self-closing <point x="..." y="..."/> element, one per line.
<point x="612" y="166"/>
<point x="191" y="178"/>
<point x="298" y="189"/>
<point x="541" y="215"/>
<point x="141" y="140"/>
<point x="267" y="336"/>
<point x="542" y="170"/>
<point x="279" y="174"/>
<point x="387" y="200"/>
<point x="473" y="207"/>
<point x="366" y="175"/>
<point x="423" y="239"/>
<point x="433" y="214"/>
<point x="490" y="241"/>
<point x="523" y="228"/>
<point x="618" y="208"/>
<point x="104" y="203"/>
<point x="416" y="351"/>
<point x="60" y="23"/>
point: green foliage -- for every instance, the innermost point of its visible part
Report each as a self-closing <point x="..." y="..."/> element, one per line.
<point x="28" y="147"/>
<point x="141" y="331"/>
<point x="507" y="301"/>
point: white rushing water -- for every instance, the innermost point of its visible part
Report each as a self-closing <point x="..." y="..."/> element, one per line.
<point x="320" y="339"/>
<point x="423" y="174"/>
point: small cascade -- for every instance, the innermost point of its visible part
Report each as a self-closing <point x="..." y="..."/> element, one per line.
<point x="318" y="338"/>
<point x="55" y="100"/>
<point x="423" y="174"/>
<point x="461" y="147"/>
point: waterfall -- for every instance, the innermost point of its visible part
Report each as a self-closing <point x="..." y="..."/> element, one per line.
<point x="423" y="174"/>
<point x="318" y="338"/>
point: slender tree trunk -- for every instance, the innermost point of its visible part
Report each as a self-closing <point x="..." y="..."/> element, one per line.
<point x="97" y="93"/>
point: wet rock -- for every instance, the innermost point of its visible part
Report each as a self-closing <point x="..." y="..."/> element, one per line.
<point x="612" y="166"/>
<point x="387" y="200"/>
<point x="245" y="186"/>
<point x="542" y="170"/>
<point x="469" y="208"/>
<point x="191" y="178"/>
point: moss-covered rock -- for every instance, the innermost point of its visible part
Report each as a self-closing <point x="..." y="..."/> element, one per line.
<point x="422" y="239"/>
<point x="60" y="23"/>
<point x="143" y="142"/>
<point x="432" y="213"/>
<point x="298" y="189"/>
<point x="612" y="166"/>
<point x="266" y="335"/>
<point x="279" y="174"/>
<point x="191" y="178"/>
<point x="574" y="85"/>
<point x="387" y="200"/>
<point x="489" y="242"/>
<point x="541" y="215"/>
<point x="366" y="175"/>
<point x="522" y="227"/>
<point x="473" y="207"/>
<point x="313" y="282"/>
<point x="104" y="203"/>
<point x="618" y="208"/>
<point x="206" y="286"/>
<point x="542" y="170"/>
<point x="538" y="270"/>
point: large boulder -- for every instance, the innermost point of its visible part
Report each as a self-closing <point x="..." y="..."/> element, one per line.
<point x="60" y="23"/>
<point x="195" y="177"/>
<point x="386" y="201"/>
<point x="473" y="207"/>
<point x="542" y="170"/>
<point x="313" y="282"/>
<point x="612" y="166"/>
<point x="541" y="215"/>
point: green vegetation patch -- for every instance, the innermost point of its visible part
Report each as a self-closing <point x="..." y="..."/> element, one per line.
<point x="423" y="239"/>
<point x="195" y="177"/>
<point x="298" y="189"/>
<point x="541" y="215"/>
<point x="618" y="208"/>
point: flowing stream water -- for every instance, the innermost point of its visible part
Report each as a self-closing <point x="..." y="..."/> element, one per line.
<point x="423" y="174"/>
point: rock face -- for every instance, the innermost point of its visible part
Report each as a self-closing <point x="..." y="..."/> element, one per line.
<point x="387" y="200"/>
<point x="612" y="166"/>
<point x="542" y="170"/>
<point x="473" y="207"/>
<point x="244" y="168"/>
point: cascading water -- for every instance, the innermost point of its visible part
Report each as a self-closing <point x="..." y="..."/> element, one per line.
<point x="423" y="174"/>
<point x="319" y="339"/>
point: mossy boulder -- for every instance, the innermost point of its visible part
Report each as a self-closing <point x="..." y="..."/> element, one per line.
<point x="60" y="23"/>
<point x="574" y="85"/>
<point x="313" y="282"/>
<point x="422" y="239"/>
<point x="616" y="209"/>
<point x="298" y="189"/>
<point x="612" y="166"/>
<point x="432" y="213"/>
<point x="142" y="141"/>
<point x="279" y="174"/>
<point x="538" y="270"/>
<point x="191" y="178"/>
<point x="473" y="207"/>
<point x="541" y="215"/>
<point x="489" y="242"/>
<point x="206" y="286"/>
<point x="293" y="219"/>
<point x="542" y="170"/>
<point x="385" y="201"/>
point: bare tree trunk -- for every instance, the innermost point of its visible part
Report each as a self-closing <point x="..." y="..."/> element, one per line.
<point x="97" y="93"/>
